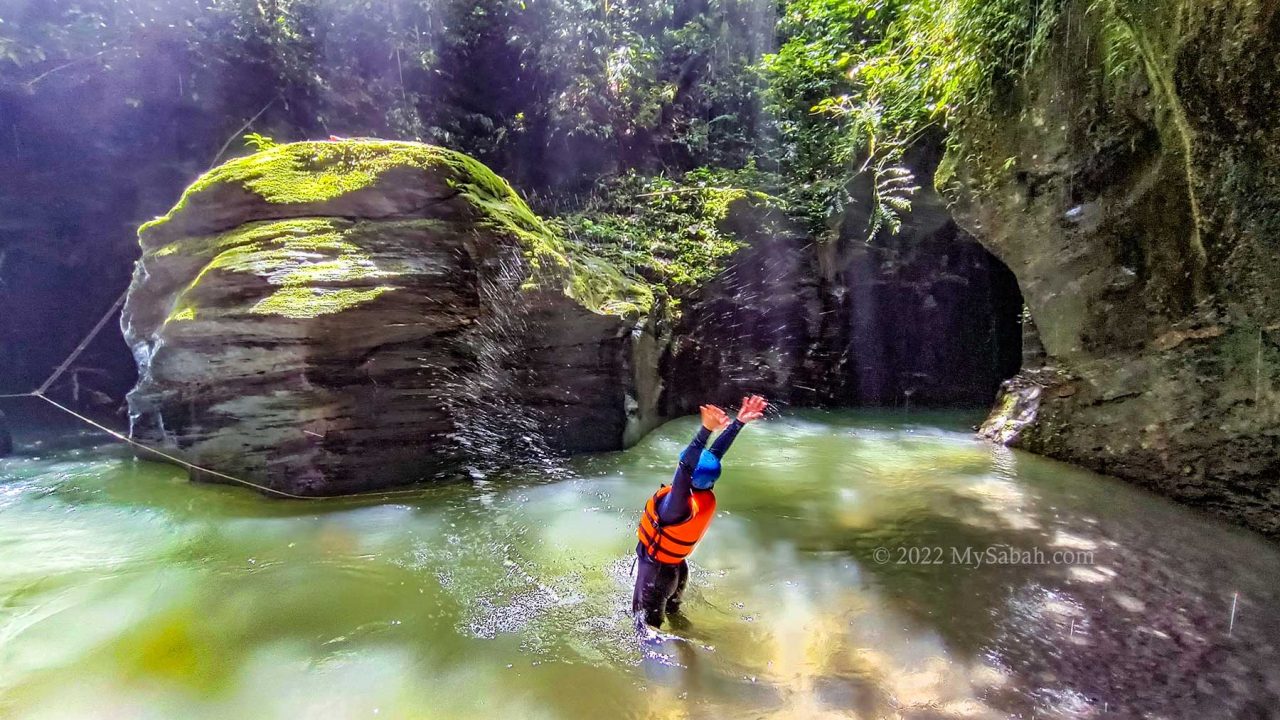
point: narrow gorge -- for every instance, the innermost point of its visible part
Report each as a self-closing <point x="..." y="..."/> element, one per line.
<point x="1101" y="238"/>
<point x="786" y="359"/>
<point x="1141" y="216"/>
<point x="334" y="317"/>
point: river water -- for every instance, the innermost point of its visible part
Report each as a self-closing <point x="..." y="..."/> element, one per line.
<point x="861" y="566"/>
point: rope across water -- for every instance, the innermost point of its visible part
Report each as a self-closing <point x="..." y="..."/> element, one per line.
<point x="44" y="387"/>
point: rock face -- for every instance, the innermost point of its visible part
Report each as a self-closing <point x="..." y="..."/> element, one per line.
<point x="749" y="330"/>
<point x="924" y="318"/>
<point x="324" y="318"/>
<point x="1142" y="219"/>
<point x="577" y="373"/>
<point x="330" y="318"/>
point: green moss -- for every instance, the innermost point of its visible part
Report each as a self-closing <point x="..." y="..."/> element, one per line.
<point x="945" y="174"/>
<point x="670" y="232"/>
<point x="316" y="172"/>
<point x="253" y="235"/>
<point x="599" y="284"/>
<point x="297" y="254"/>
<point x="307" y="302"/>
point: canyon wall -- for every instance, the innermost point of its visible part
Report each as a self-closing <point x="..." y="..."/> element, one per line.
<point x="1132" y="184"/>
<point x="333" y="317"/>
<point x="924" y="318"/>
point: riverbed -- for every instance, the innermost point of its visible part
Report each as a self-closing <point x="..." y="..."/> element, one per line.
<point x="861" y="565"/>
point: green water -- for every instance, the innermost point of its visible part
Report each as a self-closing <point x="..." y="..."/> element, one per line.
<point x="126" y="592"/>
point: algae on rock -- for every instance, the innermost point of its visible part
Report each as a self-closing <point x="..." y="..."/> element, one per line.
<point x="1138" y="211"/>
<point x="330" y="317"/>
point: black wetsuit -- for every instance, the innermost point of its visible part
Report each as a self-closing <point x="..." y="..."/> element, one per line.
<point x="660" y="586"/>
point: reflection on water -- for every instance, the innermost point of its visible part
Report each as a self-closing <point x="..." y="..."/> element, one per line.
<point x="834" y="583"/>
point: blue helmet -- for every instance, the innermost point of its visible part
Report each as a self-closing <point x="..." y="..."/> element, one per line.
<point x="707" y="471"/>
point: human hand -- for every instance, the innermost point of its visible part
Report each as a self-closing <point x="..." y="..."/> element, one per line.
<point x="753" y="408"/>
<point x="713" y="418"/>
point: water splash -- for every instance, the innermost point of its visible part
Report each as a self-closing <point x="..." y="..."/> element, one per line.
<point x="494" y="429"/>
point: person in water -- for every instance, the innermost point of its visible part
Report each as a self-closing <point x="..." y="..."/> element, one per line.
<point x="676" y="517"/>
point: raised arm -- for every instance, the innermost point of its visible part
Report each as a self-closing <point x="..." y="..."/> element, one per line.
<point x="675" y="507"/>
<point x="752" y="409"/>
<point x="725" y="439"/>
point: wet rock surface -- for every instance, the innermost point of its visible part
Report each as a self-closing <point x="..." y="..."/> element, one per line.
<point x="1141" y="223"/>
<point x="576" y="372"/>
<point x="927" y="318"/>
<point x="750" y="329"/>
<point x="327" y="318"/>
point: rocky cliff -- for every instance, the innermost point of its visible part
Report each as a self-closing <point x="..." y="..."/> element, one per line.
<point x="322" y="318"/>
<point x="924" y="318"/>
<point x="1132" y="184"/>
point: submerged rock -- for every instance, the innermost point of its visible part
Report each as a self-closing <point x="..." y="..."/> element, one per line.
<point x="1140" y="217"/>
<point x="332" y="317"/>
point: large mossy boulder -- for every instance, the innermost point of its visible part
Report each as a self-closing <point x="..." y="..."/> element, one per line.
<point x="330" y="317"/>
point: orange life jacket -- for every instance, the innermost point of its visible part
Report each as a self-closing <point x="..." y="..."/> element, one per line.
<point x="672" y="543"/>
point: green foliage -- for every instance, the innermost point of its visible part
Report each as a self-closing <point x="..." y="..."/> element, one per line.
<point x="523" y="85"/>
<point x="857" y="82"/>
<point x="259" y="142"/>
<point x="636" y="85"/>
<point x="668" y="231"/>
<point x="668" y="81"/>
<point x="554" y="94"/>
<point x="1121" y="56"/>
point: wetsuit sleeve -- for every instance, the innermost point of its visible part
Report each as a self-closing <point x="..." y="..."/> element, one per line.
<point x="675" y="507"/>
<point x="722" y="443"/>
